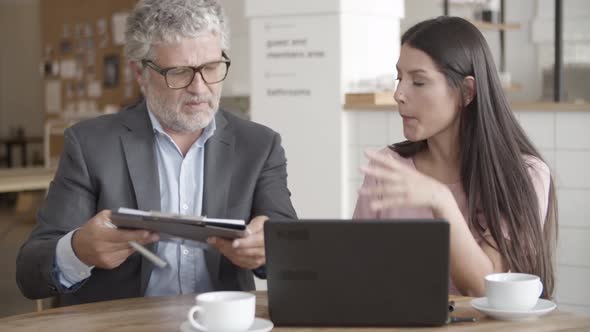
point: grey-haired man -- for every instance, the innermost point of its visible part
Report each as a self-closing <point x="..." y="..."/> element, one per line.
<point x="175" y="152"/>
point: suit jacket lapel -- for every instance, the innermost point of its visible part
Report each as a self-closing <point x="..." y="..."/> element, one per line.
<point x="138" y="145"/>
<point x="219" y="151"/>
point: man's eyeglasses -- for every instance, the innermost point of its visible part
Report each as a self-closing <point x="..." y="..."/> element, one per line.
<point x="181" y="77"/>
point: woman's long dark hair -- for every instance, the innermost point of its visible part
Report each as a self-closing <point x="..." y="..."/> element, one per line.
<point x="494" y="174"/>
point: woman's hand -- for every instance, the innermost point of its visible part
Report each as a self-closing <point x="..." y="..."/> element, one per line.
<point x="401" y="185"/>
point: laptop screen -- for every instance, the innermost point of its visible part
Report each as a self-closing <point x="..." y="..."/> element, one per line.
<point x="357" y="273"/>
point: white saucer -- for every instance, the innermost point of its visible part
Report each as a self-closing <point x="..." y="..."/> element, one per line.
<point x="259" y="325"/>
<point x="541" y="308"/>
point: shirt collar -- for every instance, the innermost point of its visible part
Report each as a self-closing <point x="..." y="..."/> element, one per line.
<point x="207" y="132"/>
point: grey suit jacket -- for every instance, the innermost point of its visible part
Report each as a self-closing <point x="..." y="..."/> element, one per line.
<point x="109" y="162"/>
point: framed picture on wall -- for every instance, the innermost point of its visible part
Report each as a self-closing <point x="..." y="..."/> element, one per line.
<point x="111" y="71"/>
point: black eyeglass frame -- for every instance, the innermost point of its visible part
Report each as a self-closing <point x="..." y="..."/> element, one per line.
<point x="198" y="69"/>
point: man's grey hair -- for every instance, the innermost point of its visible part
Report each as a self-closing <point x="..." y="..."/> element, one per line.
<point x="157" y="21"/>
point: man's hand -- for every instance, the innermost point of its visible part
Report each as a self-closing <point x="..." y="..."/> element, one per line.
<point x="98" y="244"/>
<point x="247" y="252"/>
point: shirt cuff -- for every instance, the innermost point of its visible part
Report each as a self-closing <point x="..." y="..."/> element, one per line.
<point x="260" y="272"/>
<point x="70" y="269"/>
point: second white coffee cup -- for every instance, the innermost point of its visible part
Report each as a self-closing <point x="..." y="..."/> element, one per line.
<point x="513" y="291"/>
<point x="223" y="311"/>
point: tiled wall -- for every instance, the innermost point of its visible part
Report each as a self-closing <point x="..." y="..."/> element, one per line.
<point x="564" y="141"/>
<point x="366" y="130"/>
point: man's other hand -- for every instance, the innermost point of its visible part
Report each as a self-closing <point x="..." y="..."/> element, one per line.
<point x="247" y="252"/>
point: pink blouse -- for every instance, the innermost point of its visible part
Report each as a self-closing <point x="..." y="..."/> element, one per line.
<point x="538" y="171"/>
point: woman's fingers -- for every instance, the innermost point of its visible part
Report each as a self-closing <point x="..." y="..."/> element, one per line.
<point x="383" y="160"/>
<point x="384" y="190"/>
<point x="381" y="173"/>
<point x="389" y="202"/>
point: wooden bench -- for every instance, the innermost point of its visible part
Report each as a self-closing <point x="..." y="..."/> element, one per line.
<point x="23" y="181"/>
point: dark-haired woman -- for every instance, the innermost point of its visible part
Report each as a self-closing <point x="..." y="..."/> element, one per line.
<point x="466" y="159"/>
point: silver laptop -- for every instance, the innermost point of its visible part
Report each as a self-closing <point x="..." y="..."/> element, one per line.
<point x="361" y="273"/>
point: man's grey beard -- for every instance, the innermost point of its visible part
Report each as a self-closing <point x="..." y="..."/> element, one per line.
<point x="177" y="121"/>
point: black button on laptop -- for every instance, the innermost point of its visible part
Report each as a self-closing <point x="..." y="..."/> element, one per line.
<point x="357" y="273"/>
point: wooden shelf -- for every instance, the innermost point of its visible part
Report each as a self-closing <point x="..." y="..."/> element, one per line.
<point x="386" y="98"/>
<point x="521" y="107"/>
<point x="551" y="106"/>
<point x="495" y="26"/>
<point x="514" y="87"/>
<point x="370" y="98"/>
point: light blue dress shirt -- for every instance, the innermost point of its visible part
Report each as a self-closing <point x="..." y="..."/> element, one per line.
<point x="181" y="191"/>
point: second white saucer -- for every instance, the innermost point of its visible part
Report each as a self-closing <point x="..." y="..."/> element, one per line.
<point x="541" y="308"/>
<point x="259" y="325"/>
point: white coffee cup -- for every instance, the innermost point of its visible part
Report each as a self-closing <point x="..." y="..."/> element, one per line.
<point x="513" y="291"/>
<point x="223" y="311"/>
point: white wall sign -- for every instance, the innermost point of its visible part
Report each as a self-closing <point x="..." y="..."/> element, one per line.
<point x="302" y="54"/>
